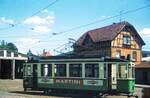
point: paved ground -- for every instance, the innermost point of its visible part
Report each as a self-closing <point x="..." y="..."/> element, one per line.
<point x="14" y="89"/>
<point x="10" y="95"/>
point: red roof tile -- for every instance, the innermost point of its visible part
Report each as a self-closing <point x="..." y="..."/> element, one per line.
<point x="106" y="33"/>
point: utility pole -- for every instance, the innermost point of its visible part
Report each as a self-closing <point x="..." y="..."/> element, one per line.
<point x="121" y="13"/>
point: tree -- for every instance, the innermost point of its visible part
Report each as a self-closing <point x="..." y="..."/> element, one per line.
<point x="3" y="43"/>
<point x="12" y="47"/>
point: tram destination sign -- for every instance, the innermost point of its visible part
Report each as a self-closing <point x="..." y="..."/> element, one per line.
<point x="69" y="81"/>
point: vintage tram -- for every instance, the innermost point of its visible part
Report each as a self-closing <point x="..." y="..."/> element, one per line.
<point x="95" y="75"/>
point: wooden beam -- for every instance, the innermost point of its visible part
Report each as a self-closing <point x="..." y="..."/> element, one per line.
<point x="13" y="70"/>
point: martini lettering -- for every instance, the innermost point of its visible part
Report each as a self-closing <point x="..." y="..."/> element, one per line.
<point x="68" y="81"/>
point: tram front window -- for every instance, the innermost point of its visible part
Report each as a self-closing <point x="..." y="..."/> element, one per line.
<point x="60" y="70"/>
<point x="28" y="70"/>
<point x="75" y="70"/>
<point x="46" y="70"/>
<point x="122" y="71"/>
<point x="91" y="70"/>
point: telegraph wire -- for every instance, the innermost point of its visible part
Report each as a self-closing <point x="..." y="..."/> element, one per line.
<point x="85" y="25"/>
<point x="39" y="11"/>
<point x="98" y="21"/>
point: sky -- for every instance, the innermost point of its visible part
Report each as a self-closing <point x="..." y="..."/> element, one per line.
<point x="30" y="24"/>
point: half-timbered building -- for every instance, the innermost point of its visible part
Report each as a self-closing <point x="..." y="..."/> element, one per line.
<point x="119" y="40"/>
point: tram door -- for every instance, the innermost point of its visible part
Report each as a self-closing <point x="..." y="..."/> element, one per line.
<point x="112" y="75"/>
<point x="34" y="76"/>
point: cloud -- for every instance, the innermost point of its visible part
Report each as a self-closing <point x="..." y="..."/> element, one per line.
<point x="105" y="16"/>
<point x="45" y="11"/>
<point x="3" y="20"/>
<point x="24" y="44"/>
<point x="145" y="32"/>
<point x="41" y="29"/>
<point x="40" y="24"/>
<point x="36" y="20"/>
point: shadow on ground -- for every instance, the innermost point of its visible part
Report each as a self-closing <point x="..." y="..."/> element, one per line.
<point x="60" y="94"/>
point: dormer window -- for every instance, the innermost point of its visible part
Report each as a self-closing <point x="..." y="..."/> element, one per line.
<point x="126" y="40"/>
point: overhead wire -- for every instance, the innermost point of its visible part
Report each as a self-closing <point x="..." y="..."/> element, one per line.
<point x="84" y="25"/>
<point x="101" y="20"/>
<point x="98" y="21"/>
<point x="37" y="12"/>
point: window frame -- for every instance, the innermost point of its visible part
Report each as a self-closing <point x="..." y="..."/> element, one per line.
<point x="48" y="68"/>
<point x="134" y="56"/>
<point x="28" y="70"/>
<point x="8" y="53"/>
<point x="122" y="72"/>
<point x="131" y="71"/>
<point x="127" y="40"/>
<point x="15" y="54"/>
<point x="118" y="53"/>
<point x="93" y="67"/>
<point x="1" y="53"/>
<point x="60" y="68"/>
<point x="72" y="68"/>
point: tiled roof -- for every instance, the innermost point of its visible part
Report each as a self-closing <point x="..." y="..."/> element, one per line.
<point x="107" y="33"/>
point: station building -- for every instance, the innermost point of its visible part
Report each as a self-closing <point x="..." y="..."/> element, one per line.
<point x="11" y="64"/>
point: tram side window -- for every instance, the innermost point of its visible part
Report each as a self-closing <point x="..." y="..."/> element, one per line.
<point x="46" y="70"/>
<point x="60" y="70"/>
<point x="92" y="70"/>
<point x="122" y="71"/>
<point x="75" y="70"/>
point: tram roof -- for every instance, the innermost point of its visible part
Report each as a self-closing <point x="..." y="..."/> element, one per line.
<point x="80" y="58"/>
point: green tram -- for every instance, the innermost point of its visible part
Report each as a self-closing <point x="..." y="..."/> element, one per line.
<point x="96" y="75"/>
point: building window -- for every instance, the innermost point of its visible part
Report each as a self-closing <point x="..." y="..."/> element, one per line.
<point x="134" y="54"/>
<point x="1" y="53"/>
<point x="92" y="70"/>
<point x="15" y="55"/>
<point x="118" y="54"/>
<point x="60" y="70"/>
<point x="126" y="40"/>
<point x="8" y="53"/>
<point x="129" y="57"/>
<point x="46" y="70"/>
<point x="75" y="70"/>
